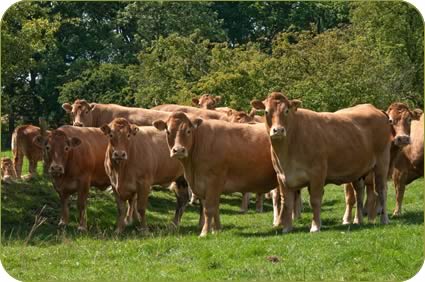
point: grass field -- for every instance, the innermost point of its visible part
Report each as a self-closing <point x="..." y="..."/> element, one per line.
<point x="239" y="252"/>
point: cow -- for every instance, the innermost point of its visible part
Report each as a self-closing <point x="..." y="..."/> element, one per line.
<point x="22" y="145"/>
<point x="313" y="149"/>
<point x="8" y="173"/>
<point x="400" y="118"/>
<point x="209" y="102"/>
<point x="223" y="164"/>
<point x="137" y="158"/>
<point x="202" y="113"/>
<point x="75" y="159"/>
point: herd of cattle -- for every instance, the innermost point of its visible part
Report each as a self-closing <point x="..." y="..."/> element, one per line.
<point x="207" y="151"/>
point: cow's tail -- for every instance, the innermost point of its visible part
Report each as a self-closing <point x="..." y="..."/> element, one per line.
<point x="18" y="156"/>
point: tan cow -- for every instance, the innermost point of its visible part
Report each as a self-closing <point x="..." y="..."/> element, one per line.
<point x="202" y="113"/>
<point x="22" y="145"/>
<point x="209" y="102"/>
<point x="136" y="159"/>
<point x="313" y="149"/>
<point x="223" y="164"/>
<point x="8" y="173"/>
<point x="400" y="117"/>
<point x="95" y="115"/>
<point x="75" y="160"/>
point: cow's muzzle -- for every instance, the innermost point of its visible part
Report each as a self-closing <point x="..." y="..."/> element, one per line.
<point x="402" y="140"/>
<point x="277" y="132"/>
<point x="178" y="152"/>
<point x="56" y="169"/>
<point x="119" y="155"/>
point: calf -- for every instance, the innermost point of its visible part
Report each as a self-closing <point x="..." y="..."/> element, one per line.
<point x="313" y="149"/>
<point x="401" y="119"/>
<point x="22" y="145"/>
<point x="137" y="158"/>
<point x="74" y="157"/>
<point x="8" y="173"/>
<point x="237" y="159"/>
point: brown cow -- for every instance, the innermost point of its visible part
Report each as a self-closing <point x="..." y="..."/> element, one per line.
<point x="400" y="118"/>
<point x="223" y="164"/>
<point x="128" y="145"/>
<point x="202" y="113"/>
<point x="75" y="160"/>
<point x="8" y="173"/>
<point x="22" y="145"/>
<point x="209" y="102"/>
<point x="95" y="115"/>
<point x="313" y="149"/>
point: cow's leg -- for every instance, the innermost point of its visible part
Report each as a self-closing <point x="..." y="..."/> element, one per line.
<point x="381" y="171"/>
<point x="121" y="208"/>
<point x="359" y="192"/>
<point x="316" y="194"/>
<point x="245" y="202"/>
<point x="399" y="179"/>
<point x="142" y="203"/>
<point x="371" y="198"/>
<point x="212" y="199"/>
<point x="64" y="220"/>
<point x="259" y="202"/>
<point x="82" y="206"/>
<point x="18" y="160"/>
<point x="182" y="200"/>
<point x="276" y="199"/>
<point x="32" y="168"/>
<point x="296" y="213"/>
<point x="349" y="203"/>
<point x="287" y="197"/>
<point x="201" y="213"/>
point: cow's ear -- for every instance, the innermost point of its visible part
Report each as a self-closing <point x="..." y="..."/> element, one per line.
<point x="229" y="113"/>
<point x="195" y="101"/>
<point x="217" y="99"/>
<point x="134" y="129"/>
<point x="257" y="104"/>
<point x="295" y="104"/>
<point x="252" y="113"/>
<point x="197" y="122"/>
<point x="39" y="141"/>
<point x="105" y="129"/>
<point x="67" y="107"/>
<point x="416" y="114"/>
<point x="92" y="105"/>
<point x="74" y="141"/>
<point x="160" y="125"/>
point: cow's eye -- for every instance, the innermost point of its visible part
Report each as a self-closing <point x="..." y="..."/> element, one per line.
<point x="66" y="148"/>
<point x="188" y="131"/>
<point x="110" y="135"/>
<point x="266" y="112"/>
<point x="391" y="121"/>
<point x="48" y="147"/>
<point x="87" y="112"/>
<point x="286" y="111"/>
<point x="128" y="135"/>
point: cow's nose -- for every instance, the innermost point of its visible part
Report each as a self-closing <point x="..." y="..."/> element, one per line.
<point x="178" y="151"/>
<point x="277" y="131"/>
<point x="119" y="155"/>
<point x="78" y="124"/>
<point x="55" y="168"/>
<point x="402" y="140"/>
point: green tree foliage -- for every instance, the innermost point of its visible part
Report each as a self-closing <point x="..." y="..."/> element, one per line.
<point x="329" y="54"/>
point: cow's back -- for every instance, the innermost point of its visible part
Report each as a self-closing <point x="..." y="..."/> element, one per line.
<point x="22" y="139"/>
<point x="88" y="157"/>
<point x="202" y="113"/>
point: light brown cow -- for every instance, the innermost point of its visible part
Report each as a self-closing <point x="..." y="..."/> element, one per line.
<point x="136" y="159"/>
<point x="209" y="102"/>
<point x="22" y="145"/>
<point x="202" y="113"/>
<point x="8" y="173"/>
<point x="75" y="159"/>
<point x="95" y="115"/>
<point x="313" y="149"/>
<point x="400" y="117"/>
<point x="223" y="164"/>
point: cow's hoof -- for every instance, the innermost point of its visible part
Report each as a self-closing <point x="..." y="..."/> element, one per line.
<point x="243" y="211"/>
<point x="345" y="222"/>
<point x="357" y="221"/>
<point x="27" y="177"/>
<point x="286" y="230"/>
<point x="396" y="213"/>
<point x="203" y="235"/>
<point x="82" y="229"/>
<point x="314" y="229"/>
<point x="259" y="210"/>
<point x="384" y="220"/>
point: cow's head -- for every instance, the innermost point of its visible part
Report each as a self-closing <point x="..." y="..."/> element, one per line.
<point x="57" y="147"/>
<point x="278" y="113"/>
<point x="206" y="101"/>
<point x="400" y="118"/>
<point x="81" y="112"/>
<point x="180" y="133"/>
<point x="7" y="170"/>
<point x="241" y="116"/>
<point x="119" y="131"/>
